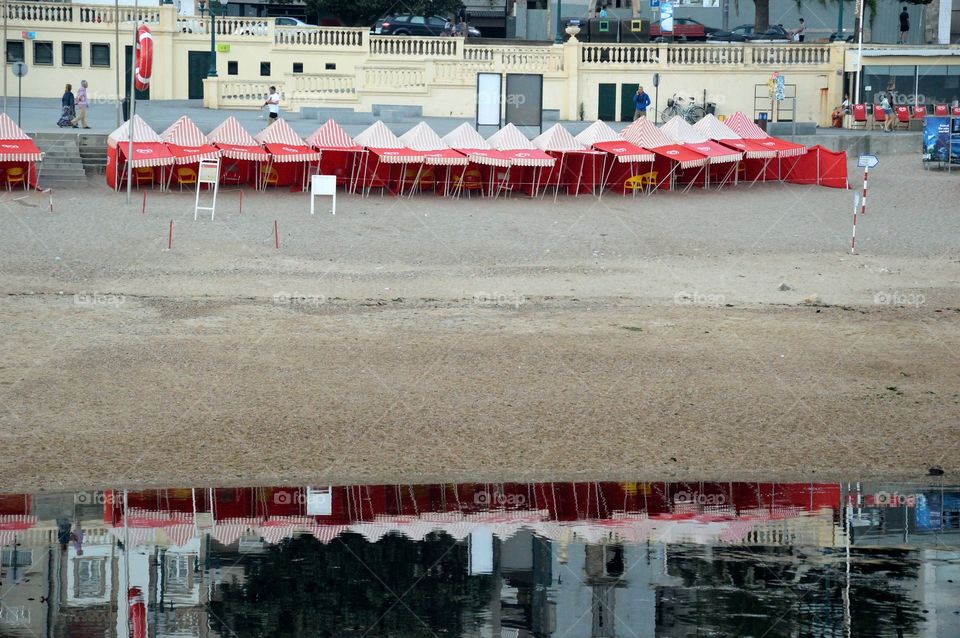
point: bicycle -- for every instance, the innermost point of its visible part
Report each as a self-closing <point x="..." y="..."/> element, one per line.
<point x="688" y="110"/>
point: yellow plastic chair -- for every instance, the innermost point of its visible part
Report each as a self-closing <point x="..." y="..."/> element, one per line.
<point x="144" y="174"/>
<point x="640" y="182"/>
<point x="16" y="175"/>
<point x="471" y="180"/>
<point x="269" y="176"/>
<point x="186" y="175"/>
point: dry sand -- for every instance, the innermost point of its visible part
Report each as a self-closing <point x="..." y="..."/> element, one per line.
<point x="429" y="340"/>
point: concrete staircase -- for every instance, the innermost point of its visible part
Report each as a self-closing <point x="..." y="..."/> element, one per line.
<point x="93" y="154"/>
<point x="62" y="164"/>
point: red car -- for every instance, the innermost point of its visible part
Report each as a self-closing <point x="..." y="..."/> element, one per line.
<point x="683" y="28"/>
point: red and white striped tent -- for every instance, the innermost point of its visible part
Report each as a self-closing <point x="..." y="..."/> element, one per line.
<point x="149" y="152"/>
<point x="748" y="130"/>
<point x="577" y="165"/>
<point x="622" y="159"/>
<point x="387" y="161"/>
<point x="756" y="156"/>
<point x="291" y="159"/>
<point x="17" y="151"/>
<point x="229" y="531"/>
<point x="436" y="153"/>
<point x="339" y="152"/>
<point x="242" y="155"/>
<point x="177" y="528"/>
<point x="12" y="525"/>
<point x="671" y="158"/>
<point x="723" y="160"/>
<point x="188" y="145"/>
<point x="527" y="162"/>
<point x="483" y="159"/>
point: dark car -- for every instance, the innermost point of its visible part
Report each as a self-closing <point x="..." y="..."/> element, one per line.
<point x="415" y="25"/>
<point x="746" y="33"/>
<point x="683" y="29"/>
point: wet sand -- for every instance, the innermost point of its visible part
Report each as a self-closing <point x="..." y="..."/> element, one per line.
<point x="425" y="340"/>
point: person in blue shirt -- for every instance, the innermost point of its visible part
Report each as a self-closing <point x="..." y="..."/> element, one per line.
<point x="640" y="101"/>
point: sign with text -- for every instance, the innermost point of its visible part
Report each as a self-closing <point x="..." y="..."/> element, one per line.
<point x="666" y="17"/>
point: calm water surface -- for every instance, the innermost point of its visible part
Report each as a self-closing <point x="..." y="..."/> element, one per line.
<point x="559" y="560"/>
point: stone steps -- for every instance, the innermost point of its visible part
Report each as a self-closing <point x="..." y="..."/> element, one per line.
<point x="62" y="164"/>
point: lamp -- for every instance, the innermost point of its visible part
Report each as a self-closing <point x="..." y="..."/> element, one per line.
<point x="208" y="5"/>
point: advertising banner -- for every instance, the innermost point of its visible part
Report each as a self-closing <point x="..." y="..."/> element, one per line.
<point x="936" y="139"/>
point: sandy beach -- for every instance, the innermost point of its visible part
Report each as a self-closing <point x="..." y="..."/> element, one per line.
<point x="706" y="335"/>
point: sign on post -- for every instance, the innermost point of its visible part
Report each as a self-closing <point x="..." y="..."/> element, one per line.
<point x="208" y="173"/>
<point x="867" y="161"/>
<point x="323" y="185"/>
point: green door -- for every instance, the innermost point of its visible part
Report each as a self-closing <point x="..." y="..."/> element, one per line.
<point x="141" y="95"/>
<point x="607" y="102"/>
<point x="198" y="63"/>
<point x="627" y="107"/>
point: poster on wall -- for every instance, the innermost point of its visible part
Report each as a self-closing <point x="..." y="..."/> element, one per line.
<point x="489" y="90"/>
<point x="955" y="140"/>
<point x="936" y="139"/>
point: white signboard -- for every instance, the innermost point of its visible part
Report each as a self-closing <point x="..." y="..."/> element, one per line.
<point x="666" y="17"/>
<point x="209" y="174"/>
<point x="489" y="88"/>
<point x="867" y="161"/>
<point x="319" y="501"/>
<point x="323" y="185"/>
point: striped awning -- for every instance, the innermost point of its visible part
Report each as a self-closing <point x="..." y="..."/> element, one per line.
<point x="435" y="151"/>
<point x="13" y="524"/>
<point x="486" y="157"/>
<point x="558" y="139"/>
<point x="751" y="149"/>
<point x="148" y="154"/>
<point x="509" y="138"/>
<point x="713" y="129"/>
<point x="399" y="155"/>
<point x="624" y="151"/>
<point x="19" y="150"/>
<point x="328" y="533"/>
<point x="187" y="143"/>
<point x="231" y="530"/>
<point x="465" y="136"/>
<point x="279" y="133"/>
<point x="141" y="132"/>
<point x="377" y="135"/>
<point x="331" y="137"/>
<point x="718" y="153"/>
<point x="744" y="127"/>
<point x="680" y="131"/>
<point x="679" y="153"/>
<point x="234" y="141"/>
<point x="241" y="152"/>
<point x="282" y="153"/>
<point x="644" y="134"/>
<point x="598" y="132"/>
<point x="444" y="157"/>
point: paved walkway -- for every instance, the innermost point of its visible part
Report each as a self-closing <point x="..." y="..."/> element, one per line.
<point x="40" y="115"/>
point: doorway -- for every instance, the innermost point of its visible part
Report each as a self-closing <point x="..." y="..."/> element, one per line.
<point x="607" y="102"/>
<point x="627" y="105"/>
<point x="198" y="64"/>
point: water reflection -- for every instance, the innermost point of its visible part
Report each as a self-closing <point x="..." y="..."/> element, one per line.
<point x="540" y="559"/>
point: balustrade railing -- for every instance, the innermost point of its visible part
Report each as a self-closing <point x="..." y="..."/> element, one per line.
<point x="334" y="37"/>
<point x="394" y="45"/>
<point x="320" y="86"/>
<point x="680" y="55"/>
<point x="241" y="93"/>
<point x="395" y="79"/>
<point x="49" y="12"/>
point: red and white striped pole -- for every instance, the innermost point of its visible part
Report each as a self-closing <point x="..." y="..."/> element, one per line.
<point x="853" y="240"/>
<point x="863" y="201"/>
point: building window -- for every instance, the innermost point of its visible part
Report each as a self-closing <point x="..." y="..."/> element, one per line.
<point x="72" y="54"/>
<point x="265" y="69"/>
<point x="330" y="66"/>
<point x="43" y="53"/>
<point x="298" y="67"/>
<point x="14" y="51"/>
<point x="232" y="68"/>
<point x="100" y="55"/>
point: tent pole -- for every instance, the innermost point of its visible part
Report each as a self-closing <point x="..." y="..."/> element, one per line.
<point x="6" y="10"/>
<point x="133" y="102"/>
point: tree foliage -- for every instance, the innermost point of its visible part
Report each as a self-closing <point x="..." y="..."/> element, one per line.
<point x="364" y="13"/>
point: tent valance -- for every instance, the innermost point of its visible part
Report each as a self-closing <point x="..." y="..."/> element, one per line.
<point x="625" y="152"/>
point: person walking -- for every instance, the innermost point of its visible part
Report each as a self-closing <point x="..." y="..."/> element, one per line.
<point x="640" y="103"/>
<point x="799" y="34"/>
<point x="82" y="103"/>
<point x="67" y="109"/>
<point x="904" y="25"/>
<point x="887" y="108"/>
<point x="273" y="105"/>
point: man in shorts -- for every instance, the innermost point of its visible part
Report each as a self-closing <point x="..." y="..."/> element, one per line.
<point x="273" y="105"/>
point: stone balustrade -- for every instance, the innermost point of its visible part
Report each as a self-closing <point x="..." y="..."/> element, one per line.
<point x="340" y="38"/>
<point x="45" y="13"/>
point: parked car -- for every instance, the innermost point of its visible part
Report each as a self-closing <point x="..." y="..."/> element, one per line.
<point x="285" y="21"/>
<point x="683" y="29"/>
<point x="415" y="25"/>
<point x="746" y="33"/>
<point x="260" y="28"/>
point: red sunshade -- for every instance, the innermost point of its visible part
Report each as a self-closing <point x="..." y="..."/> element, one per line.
<point x="444" y="157"/>
<point x="487" y="156"/>
<point x="751" y="149"/>
<point x="19" y="151"/>
<point x="398" y="155"/>
<point x="686" y="157"/>
<point x="717" y="153"/>
<point x="242" y="152"/>
<point x="147" y="154"/>
<point x="287" y="153"/>
<point x="625" y="151"/>
<point x="192" y="154"/>
<point x="528" y="157"/>
<point x="782" y="147"/>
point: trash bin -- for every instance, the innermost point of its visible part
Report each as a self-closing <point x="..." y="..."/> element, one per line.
<point x="761" y="121"/>
<point x="126" y="109"/>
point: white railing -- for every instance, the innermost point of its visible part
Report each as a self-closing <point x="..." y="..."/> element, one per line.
<point x="239" y="93"/>
<point x="314" y="87"/>
<point x="232" y="25"/>
<point x="48" y="12"/>
<point x="395" y="79"/>
<point x="710" y="55"/>
<point x="809" y="54"/>
<point x="396" y="45"/>
<point x="333" y="37"/>
<point x="619" y="54"/>
<point x="719" y="55"/>
<point x="531" y="59"/>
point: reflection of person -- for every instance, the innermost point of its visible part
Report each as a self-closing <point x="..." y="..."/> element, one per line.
<point x="67" y="109"/>
<point x="273" y="105"/>
<point x="82" y="104"/>
<point x="904" y="26"/>
<point x="640" y="103"/>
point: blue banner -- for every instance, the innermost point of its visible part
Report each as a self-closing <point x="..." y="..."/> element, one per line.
<point x="936" y="139"/>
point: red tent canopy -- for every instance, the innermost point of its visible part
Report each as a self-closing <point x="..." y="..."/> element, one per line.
<point x="149" y="151"/>
<point x="17" y="152"/>
<point x="339" y="152"/>
<point x="284" y="145"/>
<point x="435" y="151"/>
<point x="625" y="151"/>
<point x="187" y="143"/>
<point x="388" y="166"/>
<point x="235" y="143"/>
<point x="741" y="125"/>
<point x="467" y="141"/>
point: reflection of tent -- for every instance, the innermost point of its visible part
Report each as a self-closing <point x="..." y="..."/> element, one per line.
<point x="276" y="528"/>
<point x="177" y="528"/>
<point x="232" y="529"/>
<point x="390" y="159"/>
<point x="290" y="157"/>
<point x="621" y="160"/>
<point x="188" y="145"/>
<point x="526" y="160"/>
<point x="17" y="150"/>
<point x="436" y="152"/>
<point x="149" y="153"/>
<point x="679" y="130"/>
<point x="671" y="159"/>
<point x="819" y="166"/>
<point x="339" y="153"/>
<point x="483" y="159"/>
<point x="577" y="165"/>
<point x="242" y="154"/>
<point x="12" y="524"/>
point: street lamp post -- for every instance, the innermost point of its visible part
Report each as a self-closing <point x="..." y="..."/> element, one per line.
<point x="559" y="37"/>
<point x="212" y="71"/>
